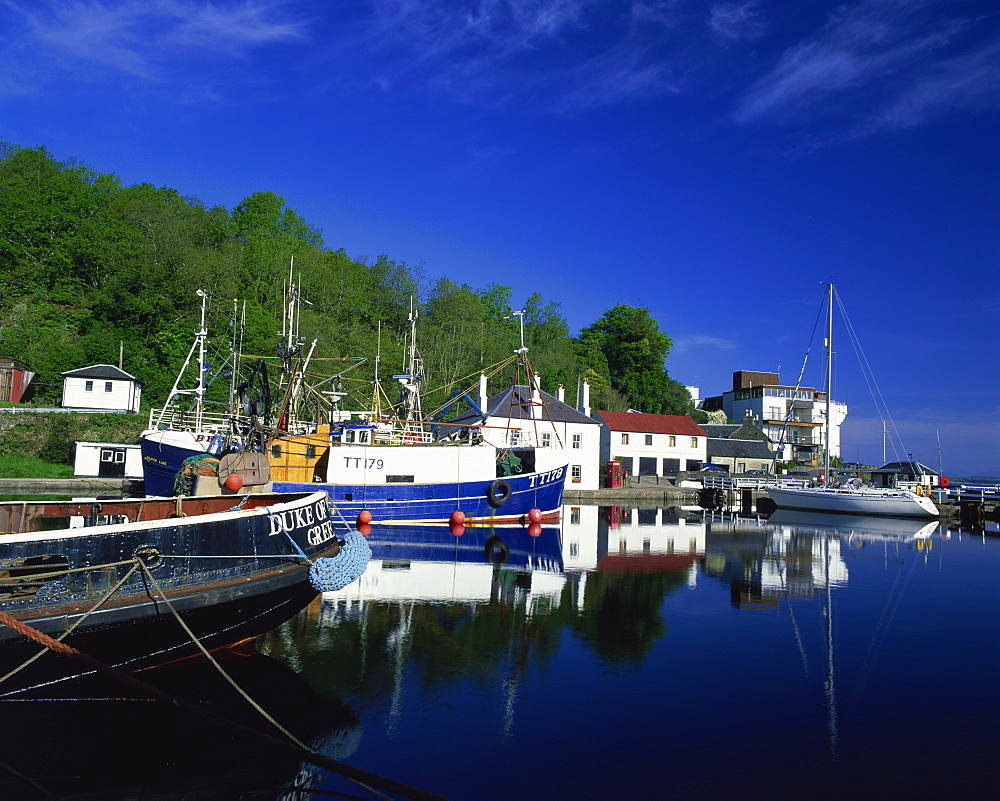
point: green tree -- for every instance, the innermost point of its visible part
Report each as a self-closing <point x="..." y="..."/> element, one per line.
<point x="634" y="350"/>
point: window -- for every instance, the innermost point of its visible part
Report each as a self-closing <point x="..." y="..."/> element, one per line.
<point x="576" y="473"/>
<point x="672" y="441"/>
<point x="107" y="386"/>
<point x="89" y="386"/>
<point x="694" y="442"/>
<point x="399" y="479"/>
<point x="574" y="516"/>
<point x="276" y="451"/>
<point x="576" y="441"/>
<point x="649" y="439"/>
<point x="546" y="439"/>
<point x="515" y="436"/>
<point x="624" y="439"/>
<point x="310" y="451"/>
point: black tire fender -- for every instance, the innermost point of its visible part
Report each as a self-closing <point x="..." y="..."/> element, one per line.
<point x="498" y="492"/>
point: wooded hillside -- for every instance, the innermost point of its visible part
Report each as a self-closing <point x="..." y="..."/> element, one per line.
<point x="90" y="268"/>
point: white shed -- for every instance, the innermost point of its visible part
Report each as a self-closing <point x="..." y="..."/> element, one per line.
<point x="107" y="460"/>
<point x="101" y="387"/>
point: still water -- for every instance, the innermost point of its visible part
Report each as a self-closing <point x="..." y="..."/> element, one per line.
<point x="658" y="653"/>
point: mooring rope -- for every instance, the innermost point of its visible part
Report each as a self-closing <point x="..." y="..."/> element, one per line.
<point x="83" y="617"/>
<point x="292" y="745"/>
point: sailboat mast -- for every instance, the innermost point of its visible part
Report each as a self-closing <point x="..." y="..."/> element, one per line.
<point x="829" y="378"/>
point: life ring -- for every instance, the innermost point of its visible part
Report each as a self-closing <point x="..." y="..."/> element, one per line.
<point x="496" y="550"/>
<point x="943" y="481"/>
<point x="498" y="492"/>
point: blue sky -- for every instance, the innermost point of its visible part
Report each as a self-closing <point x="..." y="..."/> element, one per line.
<point x="716" y="162"/>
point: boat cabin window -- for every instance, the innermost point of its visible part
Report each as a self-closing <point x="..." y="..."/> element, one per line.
<point x="310" y="451"/>
<point x="276" y="451"/>
<point x="357" y="435"/>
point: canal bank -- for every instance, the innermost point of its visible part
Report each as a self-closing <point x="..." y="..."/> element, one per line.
<point x="86" y="487"/>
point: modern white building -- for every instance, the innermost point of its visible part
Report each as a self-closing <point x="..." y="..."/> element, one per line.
<point x="652" y="444"/>
<point x="794" y="418"/>
<point x="101" y="387"/>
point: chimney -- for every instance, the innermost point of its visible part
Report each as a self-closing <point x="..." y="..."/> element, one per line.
<point x="561" y="394"/>
<point x="482" y="393"/>
<point x="536" y="397"/>
<point x="585" y="398"/>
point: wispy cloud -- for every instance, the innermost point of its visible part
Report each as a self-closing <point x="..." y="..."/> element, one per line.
<point x="691" y="342"/>
<point x="736" y="21"/>
<point x="881" y="64"/>
<point x="567" y="54"/>
<point x="134" y="38"/>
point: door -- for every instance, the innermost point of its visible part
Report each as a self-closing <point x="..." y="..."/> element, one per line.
<point x="112" y="463"/>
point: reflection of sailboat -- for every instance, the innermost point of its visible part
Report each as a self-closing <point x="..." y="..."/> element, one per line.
<point x="855" y="527"/>
<point x="853" y="497"/>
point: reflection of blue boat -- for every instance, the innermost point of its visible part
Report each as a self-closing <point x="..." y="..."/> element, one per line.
<point x="510" y="546"/>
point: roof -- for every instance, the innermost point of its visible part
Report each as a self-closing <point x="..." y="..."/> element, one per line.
<point x="652" y="423"/>
<point x="906" y="468"/>
<point x="514" y="403"/>
<point x="738" y="449"/>
<point x="720" y="430"/>
<point x="107" y="371"/>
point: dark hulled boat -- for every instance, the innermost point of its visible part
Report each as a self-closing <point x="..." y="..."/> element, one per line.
<point x="111" y="578"/>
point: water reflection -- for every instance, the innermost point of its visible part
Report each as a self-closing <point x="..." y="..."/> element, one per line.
<point x="711" y="646"/>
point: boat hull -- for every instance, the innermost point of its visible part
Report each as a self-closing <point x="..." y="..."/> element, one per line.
<point x="397" y="483"/>
<point x="428" y="503"/>
<point x="229" y="575"/>
<point x="887" y="503"/>
<point x="163" y="453"/>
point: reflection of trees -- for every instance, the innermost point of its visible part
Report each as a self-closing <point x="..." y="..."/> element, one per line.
<point x="441" y="641"/>
<point x="621" y="612"/>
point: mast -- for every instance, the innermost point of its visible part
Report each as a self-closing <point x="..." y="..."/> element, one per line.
<point x="829" y="378"/>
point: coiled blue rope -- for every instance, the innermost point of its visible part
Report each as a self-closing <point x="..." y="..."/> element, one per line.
<point x="336" y="572"/>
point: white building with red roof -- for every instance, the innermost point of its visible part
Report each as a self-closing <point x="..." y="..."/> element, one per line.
<point x="652" y="444"/>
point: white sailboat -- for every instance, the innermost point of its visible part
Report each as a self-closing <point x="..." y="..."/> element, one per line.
<point x="852" y="497"/>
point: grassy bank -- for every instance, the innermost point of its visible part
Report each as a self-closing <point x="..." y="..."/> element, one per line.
<point x="44" y="445"/>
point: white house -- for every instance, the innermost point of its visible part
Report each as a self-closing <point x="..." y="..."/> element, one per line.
<point x="101" y="387"/>
<point x="522" y="416"/>
<point x="652" y="444"/>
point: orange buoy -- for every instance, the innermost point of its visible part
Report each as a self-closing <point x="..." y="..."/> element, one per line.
<point x="535" y="529"/>
<point x="534" y="515"/>
<point x="364" y="529"/>
<point x="364" y="516"/>
<point x="233" y="482"/>
<point x="458" y="516"/>
<point x="457" y="529"/>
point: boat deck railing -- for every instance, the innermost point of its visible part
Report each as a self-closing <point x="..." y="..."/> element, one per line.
<point x="751" y="482"/>
<point x="187" y="420"/>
